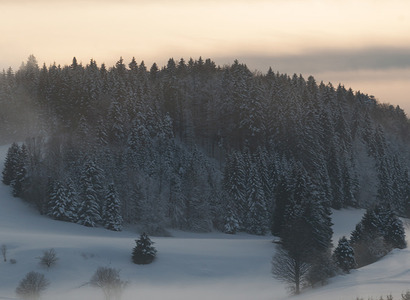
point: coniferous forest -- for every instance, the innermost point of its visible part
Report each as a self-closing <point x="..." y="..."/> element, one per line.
<point x="196" y="146"/>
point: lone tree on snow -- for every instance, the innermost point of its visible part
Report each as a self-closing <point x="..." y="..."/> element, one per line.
<point x="344" y="255"/>
<point x="144" y="252"/>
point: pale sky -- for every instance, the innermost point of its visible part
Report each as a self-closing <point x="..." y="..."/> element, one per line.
<point x="363" y="44"/>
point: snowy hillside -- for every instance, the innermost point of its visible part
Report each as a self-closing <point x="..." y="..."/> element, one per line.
<point x="200" y="266"/>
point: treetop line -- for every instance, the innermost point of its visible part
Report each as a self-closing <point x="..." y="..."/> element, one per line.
<point x="198" y="147"/>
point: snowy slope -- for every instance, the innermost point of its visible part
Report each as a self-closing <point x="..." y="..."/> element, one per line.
<point x="200" y="266"/>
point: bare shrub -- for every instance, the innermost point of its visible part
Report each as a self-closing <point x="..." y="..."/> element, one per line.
<point x="290" y="268"/>
<point x="13" y="261"/>
<point x="406" y="296"/>
<point x="369" y="250"/>
<point x="31" y="286"/>
<point x="109" y="281"/>
<point x="49" y="258"/>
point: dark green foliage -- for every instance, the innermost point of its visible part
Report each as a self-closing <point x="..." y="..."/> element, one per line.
<point x="231" y="223"/>
<point x="322" y="267"/>
<point x="343" y="255"/>
<point x="59" y="205"/>
<point x="11" y="164"/>
<point x="257" y="216"/>
<point x="112" y="210"/>
<point x="15" y="168"/>
<point x="144" y="252"/>
<point x="190" y="132"/>
<point x="282" y="194"/>
<point x="304" y="211"/>
<point x="90" y="196"/>
<point x="378" y="232"/>
<point x="21" y="172"/>
<point x="394" y="234"/>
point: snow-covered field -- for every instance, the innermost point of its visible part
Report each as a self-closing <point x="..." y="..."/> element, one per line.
<point x="188" y="265"/>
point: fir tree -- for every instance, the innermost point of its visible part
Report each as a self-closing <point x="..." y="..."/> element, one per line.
<point x="89" y="208"/>
<point x="72" y="204"/>
<point x="394" y="233"/>
<point x="11" y="164"/>
<point x="176" y="201"/>
<point x="257" y="216"/>
<point x="58" y="203"/>
<point x="282" y="194"/>
<point x="234" y="184"/>
<point x="343" y="255"/>
<point x="144" y="252"/>
<point x="21" y="172"/>
<point x="112" y="219"/>
<point x="231" y="223"/>
<point x="89" y="211"/>
<point x="376" y="234"/>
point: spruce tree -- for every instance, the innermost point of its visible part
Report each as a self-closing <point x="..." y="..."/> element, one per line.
<point x="10" y="164"/>
<point x="58" y="203"/>
<point x="72" y="204"/>
<point x="282" y="195"/>
<point x="257" y="216"/>
<point x="89" y="209"/>
<point x="376" y="234"/>
<point x="231" y="223"/>
<point x="394" y="233"/>
<point x="343" y="255"/>
<point x="21" y="172"/>
<point x="234" y="184"/>
<point x="112" y="219"/>
<point x="144" y="252"/>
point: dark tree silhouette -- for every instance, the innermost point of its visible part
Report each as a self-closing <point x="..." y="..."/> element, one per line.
<point x="144" y="252"/>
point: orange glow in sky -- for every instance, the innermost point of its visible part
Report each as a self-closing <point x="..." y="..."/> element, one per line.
<point x="58" y="30"/>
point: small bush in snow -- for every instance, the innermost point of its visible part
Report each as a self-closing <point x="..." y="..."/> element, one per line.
<point x="109" y="281"/>
<point x="49" y="258"/>
<point x="144" y="252"/>
<point x="13" y="261"/>
<point x="31" y="286"/>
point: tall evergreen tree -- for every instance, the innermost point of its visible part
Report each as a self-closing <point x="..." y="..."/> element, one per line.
<point x="394" y="233"/>
<point x="59" y="203"/>
<point x="344" y="255"/>
<point x="90" y="203"/>
<point x="257" y="216"/>
<point x="112" y="219"/>
<point x="21" y="172"/>
<point x="11" y="164"/>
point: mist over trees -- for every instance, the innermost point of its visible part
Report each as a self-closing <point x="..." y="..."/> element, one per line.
<point x="196" y="146"/>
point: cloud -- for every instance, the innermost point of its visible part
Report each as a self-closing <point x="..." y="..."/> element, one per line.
<point x="372" y="58"/>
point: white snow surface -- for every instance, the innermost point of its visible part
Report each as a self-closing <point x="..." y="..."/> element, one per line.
<point x="188" y="265"/>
